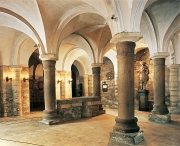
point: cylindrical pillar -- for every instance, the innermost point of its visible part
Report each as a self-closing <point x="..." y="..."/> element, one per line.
<point x="159" y="106"/>
<point x="49" y="84"/>
<point x="96" y="80"/>
<point x="16" y="90"/>
<point x="50" y="112"/>
<point x="126" y="122"/>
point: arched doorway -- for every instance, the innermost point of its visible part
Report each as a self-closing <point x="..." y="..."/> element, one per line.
<point x="36" y="82"/>
<point x="77" y="86"/>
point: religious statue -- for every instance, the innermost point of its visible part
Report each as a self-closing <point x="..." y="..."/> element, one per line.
<point x="144" y="75"/>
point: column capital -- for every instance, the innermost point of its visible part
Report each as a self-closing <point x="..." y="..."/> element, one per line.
<point x="160" y="55"/>
<point x="96" y="64"/>
<point x="15" y="68"/>
<point x="126" y="36"/>
<point x="48" y="57"/>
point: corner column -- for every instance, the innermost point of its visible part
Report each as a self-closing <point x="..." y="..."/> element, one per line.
<point x="160" y="113"/>
<point x="50" y="113"/>
<point x="126" y="130"/>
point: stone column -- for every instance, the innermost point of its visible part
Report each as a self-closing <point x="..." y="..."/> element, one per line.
<point x="160" y="113"/>
<point x="50" y="112"/>
<point x="96" y="70"/>
<point x="85" y="88"/>
<point x="174" y="89"/>
<point x="16" y="90"/>
<point x="126" y="129"/>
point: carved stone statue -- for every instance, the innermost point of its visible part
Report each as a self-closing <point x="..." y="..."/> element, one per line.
<point x="143" y="75"/>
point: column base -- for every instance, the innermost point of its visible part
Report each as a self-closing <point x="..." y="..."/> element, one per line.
<point x="174" y="110"/>
<point x="119" y="138"/>
<point x="50" y="118"/>
<point x="157" y="118"/>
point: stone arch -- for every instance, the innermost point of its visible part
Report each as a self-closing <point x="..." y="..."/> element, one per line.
<point x="72" y="13"/>
<point x="148" y="33"/>
<point x="75" y="54"/>
<point x="37" y="38"/>
<point x="174" y="27"/>
<point x="82" y="43"/>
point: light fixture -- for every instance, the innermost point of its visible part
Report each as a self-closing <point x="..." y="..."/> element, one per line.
<point x="7" y="79"/>
<point x="104" y="87"/>
<point x="69" y="81"/>
<point x="58" y="81"/>
<point x="25" y="79"/>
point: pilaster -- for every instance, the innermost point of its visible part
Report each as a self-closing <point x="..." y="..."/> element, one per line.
<point x="174" y="89"/>
<point x="85" y="89"/>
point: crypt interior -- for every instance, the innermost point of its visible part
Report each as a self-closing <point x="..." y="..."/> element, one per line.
<point x="72" y="72"/>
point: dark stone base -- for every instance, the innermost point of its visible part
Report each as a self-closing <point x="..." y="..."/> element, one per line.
<point x="126" y="126"/>
<point x="121" y="139"/>
<point x="143" y="100"/>
<point x="50" y="118"/>
<point x="160" y="109"/>
<point x="159" y="118"/>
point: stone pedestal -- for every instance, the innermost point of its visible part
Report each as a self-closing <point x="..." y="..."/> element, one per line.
<point x="159" y="108"/>
<point x="143" y="100"/>
<point x="126" y="130"/>
<point x="50" y="112"/>
<point x="174" y="89"/>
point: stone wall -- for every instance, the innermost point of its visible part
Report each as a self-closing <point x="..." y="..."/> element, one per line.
<point x="9" y="104"/>
<point x="6" y="97"/>
<point x="109" y="98"/>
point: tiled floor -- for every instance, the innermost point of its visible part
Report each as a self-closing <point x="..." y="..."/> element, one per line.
<point x="25" y="131"/>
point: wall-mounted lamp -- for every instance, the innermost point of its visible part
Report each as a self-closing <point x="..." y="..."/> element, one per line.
<point x="58" y="81"/>
<point x="7" y="79"/>
<point x="25" y="79"/>
<point x="69" y="81"/>
<point x="104" y="87"/>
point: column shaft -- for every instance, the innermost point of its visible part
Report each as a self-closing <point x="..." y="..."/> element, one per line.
<point x="49" y="84"/>
<point x="126" y="122"/>
<point x="96" y="81"/>
<point x="50" y="112"/>
<point x="159" y="87"/>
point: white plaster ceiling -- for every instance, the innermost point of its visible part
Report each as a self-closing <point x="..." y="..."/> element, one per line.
<point x="60" y="26"/>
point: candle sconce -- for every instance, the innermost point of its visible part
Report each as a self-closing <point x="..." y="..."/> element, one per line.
<point x="7" y="79"/>
<point x="59" y="81"/>
<point x="69" y="81"/>
<point x="25" y="79"/>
